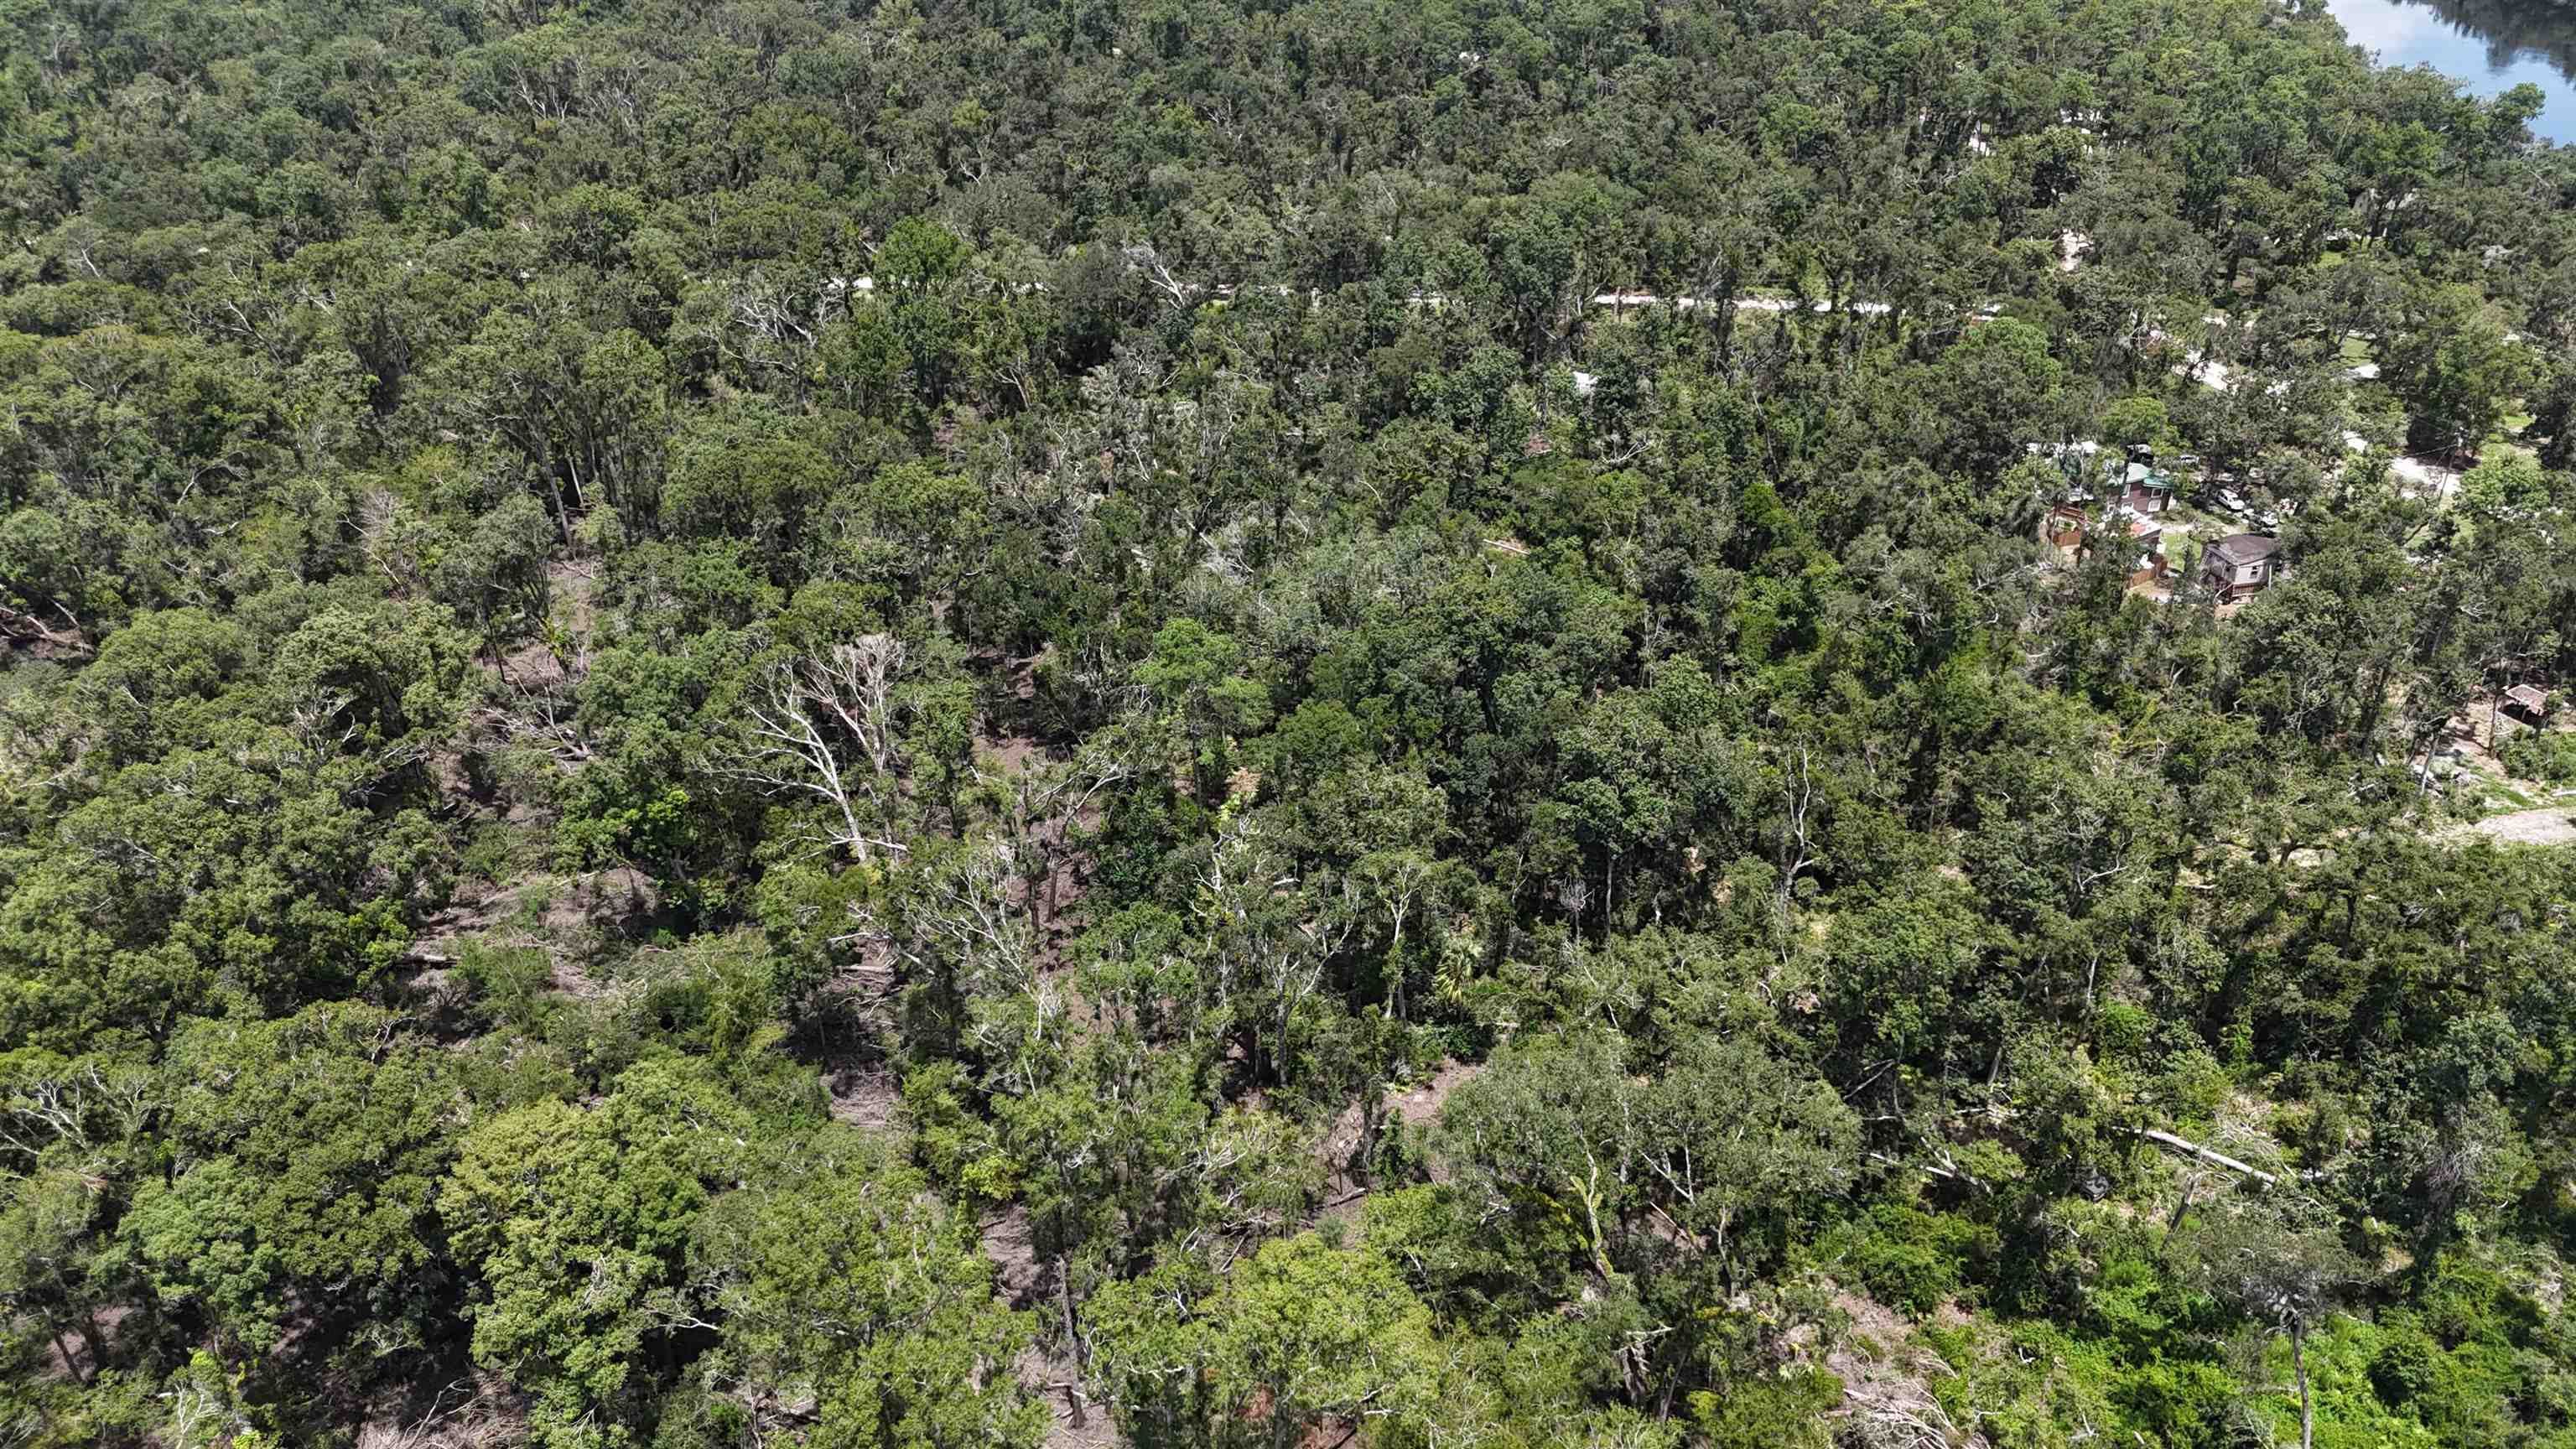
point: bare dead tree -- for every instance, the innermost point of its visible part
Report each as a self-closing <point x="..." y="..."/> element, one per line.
<point x="810" y="710"/>
<point x="89" y="1110"/>
<point x="961" y="931"/>
<point x="1150" y="265"/>
<point x="15" y="625"/>
<point x="1796" y="853"/>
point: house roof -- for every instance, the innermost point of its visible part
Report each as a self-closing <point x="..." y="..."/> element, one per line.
<point x="2530" y="697"/>
<point x="2139" y="525"/>
<point x="2244" y="548"/>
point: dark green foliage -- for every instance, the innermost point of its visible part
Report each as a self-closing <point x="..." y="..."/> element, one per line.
<point x="1915" y="1260"/>
<point x="802" y="724"/>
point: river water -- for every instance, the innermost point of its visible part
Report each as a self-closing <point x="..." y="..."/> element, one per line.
<point x="2488" y="45"/>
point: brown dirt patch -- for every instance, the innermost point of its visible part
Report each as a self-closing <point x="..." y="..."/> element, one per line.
<point x="863" y="1096"/>
<point x="1422" y="1101"/>
<point x="1010" y="1241"/>
<point x="574" y="588"/>
<point x="1339" y="1148"/>
<point x="1887" y="1383"/>
<point x="1053" y="1379"/>
<point x="443" y="933"/>
<point x="477" y="1412"/>
<point x="617" y="899"/>
<point x="1010" y="753"/>
<point x="534" y="667"/>
<point x="50" y="1359"/>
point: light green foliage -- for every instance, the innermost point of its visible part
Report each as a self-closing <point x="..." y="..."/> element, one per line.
<point x="1194" y="674"/>
<point x="2138" y="419"/>
<point x="749" y="485"/>
<point x="1298" y="1333"/>
<point x="841" y="1283"/>
<point x="1720" y="1149"/>
<point x="48" y="1245"/>
<point x="573" y="1221"/>
<point x="203" y="1244"/>
<point x="206" y="877"/>
<point x="2452" y="365"/>
<point x="1992" y="391"/>
<point x="161" y="684"/>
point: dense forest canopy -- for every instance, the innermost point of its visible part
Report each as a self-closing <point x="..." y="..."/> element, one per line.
<point x="1445" y="725"/>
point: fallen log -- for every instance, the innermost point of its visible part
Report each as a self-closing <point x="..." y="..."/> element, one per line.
<point x="27" y="628"/>
<point x="2210" y="1155"/>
